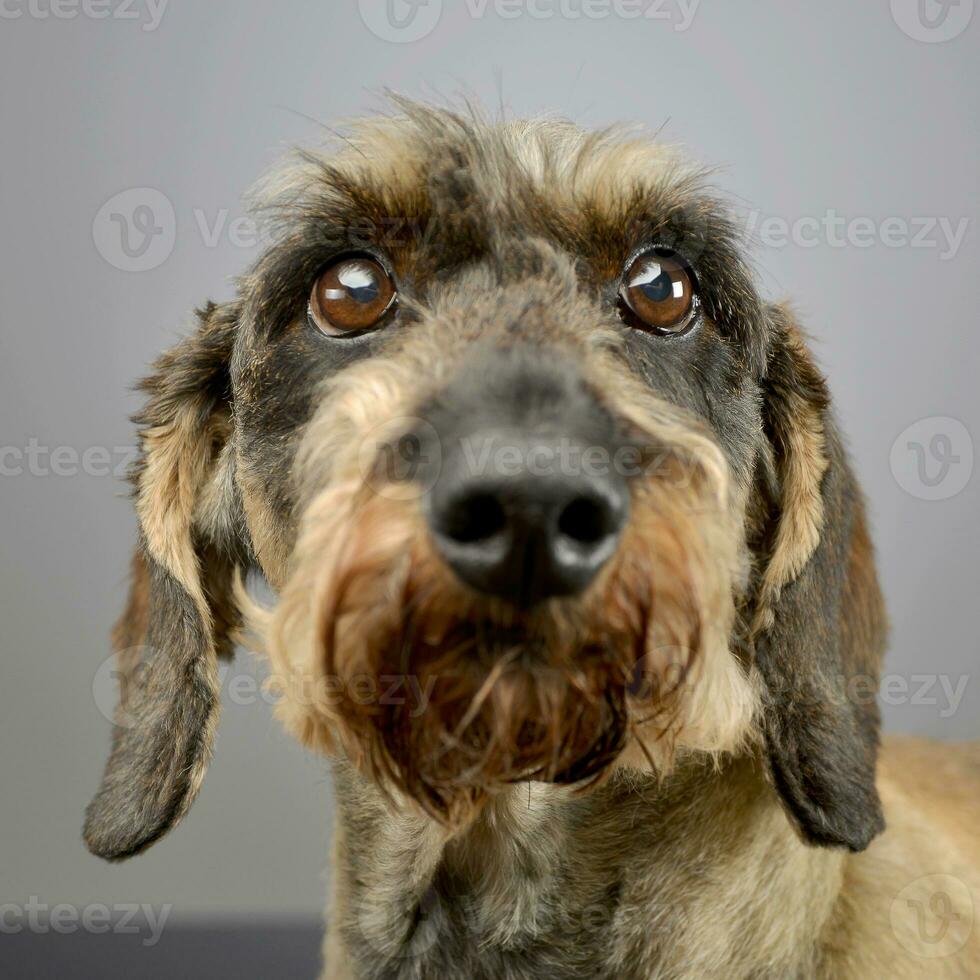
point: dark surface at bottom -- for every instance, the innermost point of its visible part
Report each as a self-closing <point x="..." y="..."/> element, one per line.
<point x="216" y="952"/>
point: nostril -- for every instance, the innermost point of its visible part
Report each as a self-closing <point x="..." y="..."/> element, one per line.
<point x="586" y="521"/>
<point x="474" y="517"/>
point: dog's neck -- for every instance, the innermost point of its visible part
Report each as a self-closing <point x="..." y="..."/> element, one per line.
<point x="696" y="875"/>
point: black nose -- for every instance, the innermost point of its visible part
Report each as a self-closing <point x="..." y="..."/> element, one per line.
<point x="518" y="522"/>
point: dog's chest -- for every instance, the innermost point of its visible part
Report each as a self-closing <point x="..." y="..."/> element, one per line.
<point x="535" y="891"/>
<point x="626" y="882"/>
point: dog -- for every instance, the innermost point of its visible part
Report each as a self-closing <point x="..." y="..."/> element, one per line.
<point x="573" y="579"/>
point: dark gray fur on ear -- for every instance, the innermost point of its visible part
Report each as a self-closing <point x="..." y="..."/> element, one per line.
<point x="180" y="616"/>
<point x="165" y="721"/>
<point x="820" y="625"/>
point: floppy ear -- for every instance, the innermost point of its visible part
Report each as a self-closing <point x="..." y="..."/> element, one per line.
<point x="179" y="616"/>
<point x="819" y="624"/>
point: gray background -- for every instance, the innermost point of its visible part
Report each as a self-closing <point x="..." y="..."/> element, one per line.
<point x="807" y="107"/>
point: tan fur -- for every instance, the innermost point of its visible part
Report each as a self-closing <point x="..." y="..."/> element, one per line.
<point x="801" y="467"/>
<point x="271" y="546"/>
<point x="931" y="794"/>
<point x="561" y="160"/>
<point x="178" y="459"/>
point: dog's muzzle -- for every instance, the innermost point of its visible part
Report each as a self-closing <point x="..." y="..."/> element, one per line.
<point x="527" y="504"/>
<point x="533" y="573"/>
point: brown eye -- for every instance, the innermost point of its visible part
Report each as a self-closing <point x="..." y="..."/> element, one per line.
<point x="352" y="294"/>
<point x="658" y="290"/>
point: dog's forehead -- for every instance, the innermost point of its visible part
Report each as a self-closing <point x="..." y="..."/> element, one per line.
<point x="453" y="158"/>
<point x="442" y="195"/>
<point x="432" y="177"/>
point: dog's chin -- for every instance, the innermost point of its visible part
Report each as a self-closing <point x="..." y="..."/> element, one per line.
<point x="481" y="716"/>
<point x="486" y="695"/>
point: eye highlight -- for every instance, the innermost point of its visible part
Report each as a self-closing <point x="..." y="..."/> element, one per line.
<point x="657" y="293"/>
<point x="351" y="294"/>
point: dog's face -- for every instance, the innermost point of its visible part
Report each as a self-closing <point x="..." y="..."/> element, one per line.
<point x="501" y="416"/>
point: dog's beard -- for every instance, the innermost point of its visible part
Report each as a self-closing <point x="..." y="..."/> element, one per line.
<point x="444" y="696"/>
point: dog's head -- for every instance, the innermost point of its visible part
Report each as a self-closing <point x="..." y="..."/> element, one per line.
<point x="503" y="420"/>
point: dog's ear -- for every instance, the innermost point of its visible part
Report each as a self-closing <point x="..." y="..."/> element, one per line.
<point x="180" y="615"/>
<point x="819" y="622"/>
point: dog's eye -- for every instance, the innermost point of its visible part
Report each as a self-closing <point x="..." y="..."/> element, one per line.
<point x="658" y="291"/>
<point x="352" y="294"/>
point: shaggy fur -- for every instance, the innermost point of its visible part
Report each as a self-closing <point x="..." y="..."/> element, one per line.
<point x="670" y="775"/>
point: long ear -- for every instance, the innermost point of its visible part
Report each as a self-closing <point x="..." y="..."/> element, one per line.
<point x="819" y="619"/>
<point x="179" y="615"/>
